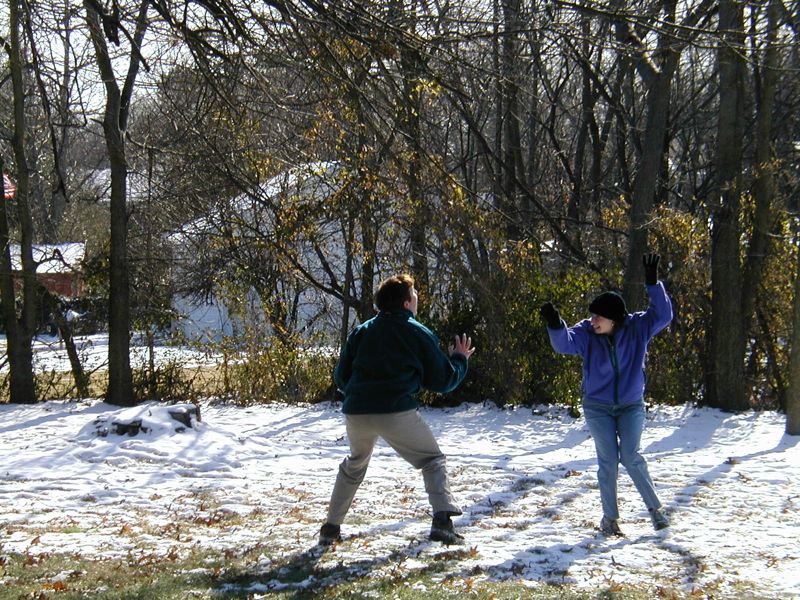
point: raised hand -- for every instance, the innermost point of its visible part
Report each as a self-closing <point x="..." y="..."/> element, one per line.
<point x="650" y="262"/>
<point x="462" y="344"/>
<point x="550" y="315"/>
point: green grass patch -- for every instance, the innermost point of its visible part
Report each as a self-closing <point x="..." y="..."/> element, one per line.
<point x="253" y="573"/>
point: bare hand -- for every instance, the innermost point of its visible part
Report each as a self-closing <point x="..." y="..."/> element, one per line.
<point x="462" y="344"/>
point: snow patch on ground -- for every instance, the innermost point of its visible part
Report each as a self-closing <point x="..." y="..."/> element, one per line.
<point x="527" y="481"/>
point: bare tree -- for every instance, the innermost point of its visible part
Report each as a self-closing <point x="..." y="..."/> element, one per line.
<point x="793" y="392"/>
<point x="727" y="339"/>
<point x="766" y="72"/>
<point x="104" y="27"/>
<point x="657" y="71"/>
<point x="20" y="327"/>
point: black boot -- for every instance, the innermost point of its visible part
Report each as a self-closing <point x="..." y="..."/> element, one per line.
<point x="442" y="530"/>
<point x="610" y="527"/>
<point x="659" y="519"/>
<point x="329" y="534"/>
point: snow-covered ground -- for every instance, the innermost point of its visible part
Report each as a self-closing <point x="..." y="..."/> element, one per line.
<point x="248" y="476"/>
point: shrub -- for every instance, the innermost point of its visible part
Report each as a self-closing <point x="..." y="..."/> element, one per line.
<point x="514" y="362"/>
<point x="276" y="370"/>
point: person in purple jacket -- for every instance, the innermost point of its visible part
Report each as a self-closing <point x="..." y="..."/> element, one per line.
<point x="613" y="345"/>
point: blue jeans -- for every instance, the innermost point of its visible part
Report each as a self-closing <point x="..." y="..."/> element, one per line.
<point x="617" y="431"/>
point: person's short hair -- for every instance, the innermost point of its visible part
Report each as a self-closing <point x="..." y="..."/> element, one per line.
<point x="393" y="292"/>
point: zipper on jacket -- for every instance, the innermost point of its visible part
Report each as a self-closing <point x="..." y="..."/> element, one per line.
<point x="615" y="364"/>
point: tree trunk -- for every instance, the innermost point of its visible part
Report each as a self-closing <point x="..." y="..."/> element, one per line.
<point x="20" y="328"/>
<point x="348" y="228"/>
<point x="793" y="389"/>
<point x="49" y="214"/>
<point x="54" y="305"/>
<point x="763" y="171"/>
<point x="405" y="19"/>
<point x="644" y="185"/>
<point x="115" y="119"/>
<point x="58" y="203"/>
<point x="20" y="361"/>
<point x="120" y="379"/>
<point x="512" y="167"/>
<point x="726" y="389"/>
<point x="657" y="78"/>
<point x="369" y="245"/>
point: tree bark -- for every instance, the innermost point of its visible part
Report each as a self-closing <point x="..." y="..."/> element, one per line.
<point x="409" y="116"/>
<point x="56" y="308"/>
<point x="20" y="327"/>
<point x="725" y="379"/>
<point x="348" y="227"/>
<point x="115" y="118"/>
<point x="369" y="248"/>
<point x="20" y="361"/>
<point x="512" y="166"/>
<point x="764" y="168"/>
<point x="644" y="185"/>
<point x="576" y="206"/>
<point x="793" y="388"/>
<point x="658" y="82"/>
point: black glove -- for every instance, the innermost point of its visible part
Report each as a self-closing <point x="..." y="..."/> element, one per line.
<point x="550" y="315"/>
<point x="651" y="268"/>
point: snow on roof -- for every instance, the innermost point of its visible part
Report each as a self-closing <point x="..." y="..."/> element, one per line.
<point x="52" y="258"/>
<point x="314" y="180"/>
<point x="100" y="180"/>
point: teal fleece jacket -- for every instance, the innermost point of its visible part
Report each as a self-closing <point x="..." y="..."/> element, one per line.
<point x="388" y="359"/>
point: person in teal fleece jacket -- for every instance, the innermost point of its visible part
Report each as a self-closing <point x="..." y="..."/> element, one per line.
<point x="385" y="363"/>
<point x="613" y="345"/>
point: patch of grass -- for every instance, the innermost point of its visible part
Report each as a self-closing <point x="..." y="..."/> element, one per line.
<point x="72" y="529"/>
<point x="253" y="573"/>
<point x="67" y="577"/>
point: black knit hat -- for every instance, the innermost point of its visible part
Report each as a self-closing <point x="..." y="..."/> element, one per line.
<point x="609" y="305"/>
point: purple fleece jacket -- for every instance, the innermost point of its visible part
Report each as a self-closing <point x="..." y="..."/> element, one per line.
<point x="613" y="367"/>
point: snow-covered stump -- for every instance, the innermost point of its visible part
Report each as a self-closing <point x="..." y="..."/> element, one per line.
<point x="149" y="419"/>
<point x="183" y="413"/>
<point x="130" y="428"/>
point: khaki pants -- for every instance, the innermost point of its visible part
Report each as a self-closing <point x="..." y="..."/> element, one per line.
<point x="411" y="438"/>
